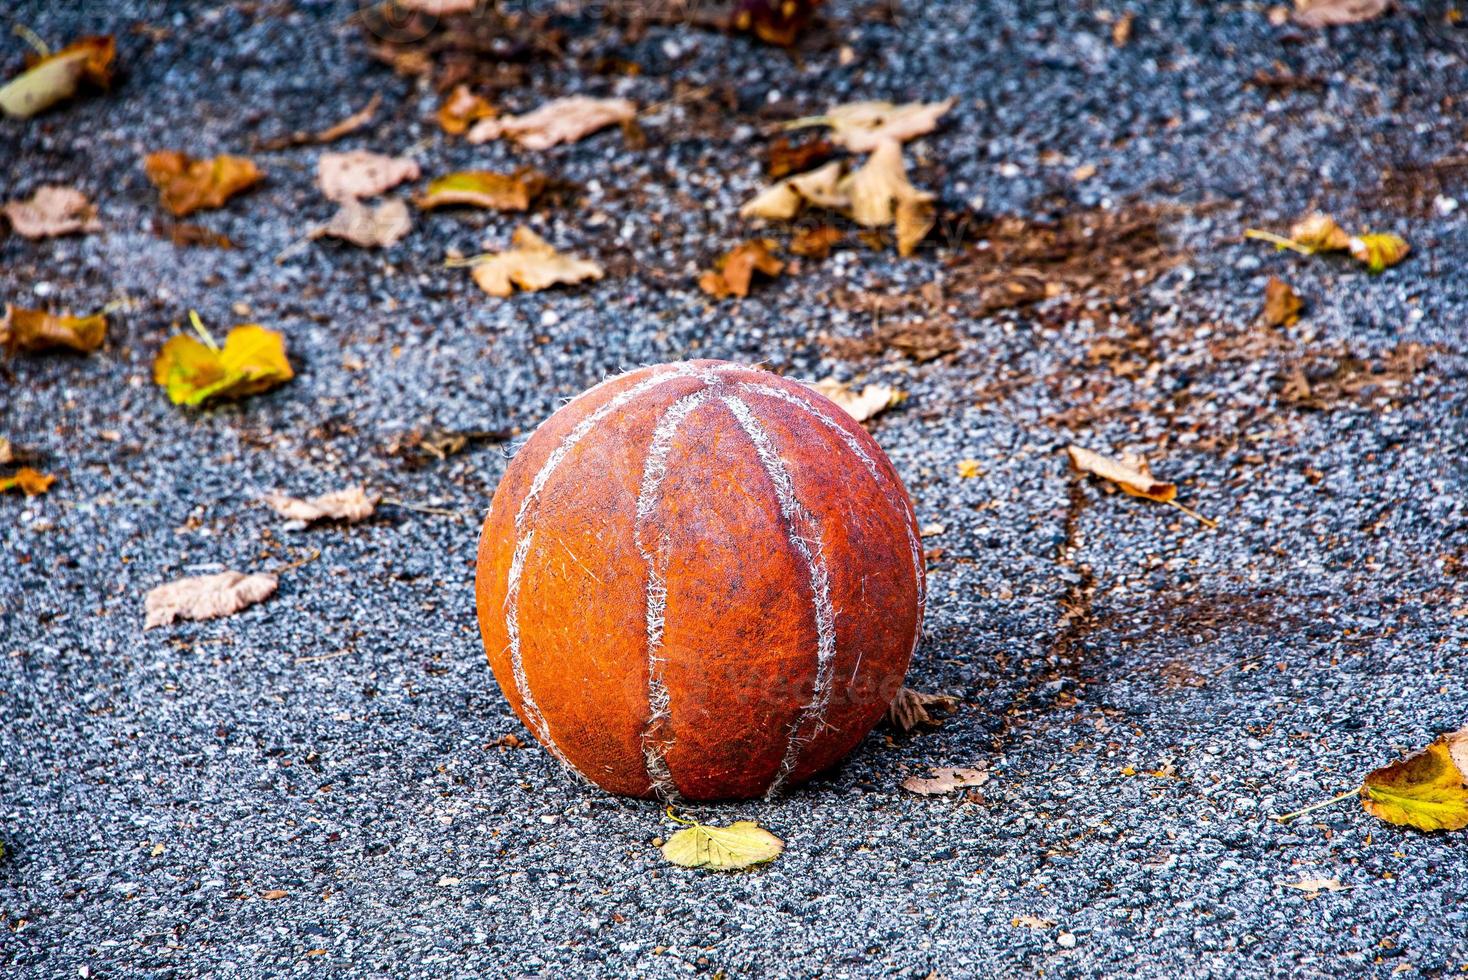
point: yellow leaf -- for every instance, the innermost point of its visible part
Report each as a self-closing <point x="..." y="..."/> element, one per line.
<point x="252" y="360"/>
<point x="188" y="185"/>
<point x="1379" y="251"/>
<point x="485" y="189"/>
<point x="734" y="271"/>
<point x="37" y="330"/>
<point x="738" y="845"/>
<point x="462" y="107"/>
<point x="1427" y="790"/>
<point x="27" y="481"/>
<point x="56" y="76"/>
<point x="1282" y="304"/>
<point x="968" y="469"/>
<point x="532" y="264"/>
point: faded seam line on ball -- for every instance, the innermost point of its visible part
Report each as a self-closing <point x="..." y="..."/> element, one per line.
<point x="531" y="707"/>
<point x="804" y="534"/>
<point x="659" y="700"/>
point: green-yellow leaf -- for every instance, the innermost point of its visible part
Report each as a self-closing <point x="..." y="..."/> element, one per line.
<point x="1427" y="790"/>
<point x="252" y="360"/>
<point x="57" y="76"/>
<point x="1379" y="251"/>
<point x="738" y="845"/>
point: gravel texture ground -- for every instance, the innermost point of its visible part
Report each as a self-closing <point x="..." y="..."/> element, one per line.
<point x="1143" y="691"/>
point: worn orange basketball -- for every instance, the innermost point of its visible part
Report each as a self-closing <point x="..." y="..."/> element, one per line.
<point x="700" y="580"/>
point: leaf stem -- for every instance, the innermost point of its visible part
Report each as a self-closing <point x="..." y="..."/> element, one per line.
<point x="1205" y="521"/>
<point x="198" y="326"/>
<point x="1287" y="817"/>
<point x="1279" y="241"/>
<point x="33" y="39"/>
<point x="677" y="819"/>
<point x="805" y="122"/>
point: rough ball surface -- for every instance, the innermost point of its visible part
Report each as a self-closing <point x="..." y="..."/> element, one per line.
<point x="700" y="580"/>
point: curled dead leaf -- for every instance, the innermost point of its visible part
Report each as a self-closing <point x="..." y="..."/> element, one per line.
<point x="733" y="271"/>
<point x="560" y="121"/>
<point x="30" y="482"/>
<point x="1282" y="304"/>
<point x="188" y="185"/>
<point x="913" y="708"/>
<point x="368" y="227"/>
<point x="739" y="845"/>
<point x="205" y="597"/>
<point x="815" y="243"/>
<point x="348" y="506"/>
<point x="863" y="126"/>
<point x="1378" y="251"/>
<point x="1319" y="232"/>
<point x="945" y="780"/>
<point x="37" y="330"/>
<point x="1427" y="790"/>
<point x="56" y="77"/>
<point x="193" y="371"/>
<point x="1330" y="13"/>
<point x="530" y="263"/>
<point x="461" y="108"/>
<point x="863" y="405"/>
<point x="361" y="173"/>
<point x="784" y="200"/>
<point x="485" y="189"/>
<point x="52" y="211"/>
<point x="784" y="157"/>
<point x="1133" y="476"/>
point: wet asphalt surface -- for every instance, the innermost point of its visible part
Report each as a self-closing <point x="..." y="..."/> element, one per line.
<point x="1143" y="691"/>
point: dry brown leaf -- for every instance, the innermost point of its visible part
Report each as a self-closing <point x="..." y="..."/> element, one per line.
<point x="439" y="8"/>
<point x="351" y="123"/>
<point x="485" y="189"/>
<point x="863" y="126"/>
<point x="733" y="271"/>
<point x="28" y="481"/>
<point x="815" y="243"/>
<point x="878" y="185"/>
<point x="1329" y="13"/>
<point x="1031" y="922"/>
<point x="360" y="173"/>
<point x="945" y="780"/>
<point x="1314" y="886"/>
<point x="52" y="211"/>
<point x="1427" y="790"/>
<point x="1130" y="473"/>
<point x="532" y="264"/>
<point x="8" y="452"/>
<point x="861" y="406"/>
<point x="785" y="199"/>
<point x="37" y="330"/>
<point x="56" y="77"/>
<point x="188" y="185"/>
<point x="348" y="506"/>
<point x="206" y="597"/>
<point x="916" y="215"/>
<point x="1282" y="304"/>
<point x="461" y="108"/>
<point x="274" y="894"/>
<point x="784" y="157"/>
<point x="913" y="708"/>
<point x="560" y="121"/>
<point x="1319" y="232"/>
<point x="368" y="227"/>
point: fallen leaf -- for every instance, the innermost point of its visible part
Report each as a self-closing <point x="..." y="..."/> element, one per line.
<point x="28" y="481"/>
<point x="1121" y="31"/>
<point x="439" y="8"/>
<point x="37" y="330"/>
<point x="188" y="185"/>
<point x="916" y="215"/>
<point x="785" y="199"/>
<point x="1282" y="304"/>
<point x="485" y="189"/>
<point x="1379" y="251"/>
<point x="52" y="211"/>
<point x="1319" y="232"/>
<point x="369" y="227"/>
<point x="733" y="271"/>
<point x="878" y="185"/>
<point x="460" y="108"/>
<point x="530" y="263"/>
<point x="1329" y="13"/>
<point x="274" y="894"/>
<point x="1031" y="922"/>
<point x="252" y="360"/>
<point x="361" y="173"/>
<point x="784" y="157"/>
<point x="57" y="76"/>
<point x="945" y="780"/>
<point x="815" y="243"/>
<point x="1130" y="473"/>
<point x="205" y="597"/>
<point x="331" y="133"/>
<point x="863" y="126"/>
<point x="774" y="21"/>
<point x="560" y="121"/>
<point x="1314" y="886"/>
<point x="739" y="845"/>
<point x="969" y="469"/>
<point x="8" y="453"/>
<point x="348" y="506"/>
<point x="861" y="406"/>
<point x="913" y="708"/>
<point x="1427" y="790"/>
